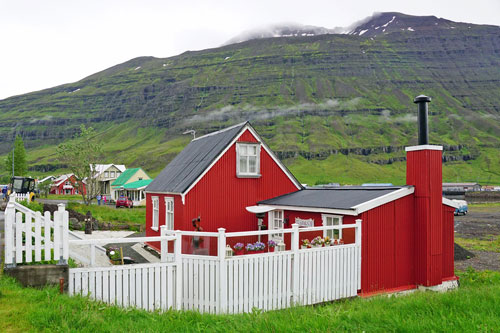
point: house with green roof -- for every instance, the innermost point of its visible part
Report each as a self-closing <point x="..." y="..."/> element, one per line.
<point x="131" y="183"/>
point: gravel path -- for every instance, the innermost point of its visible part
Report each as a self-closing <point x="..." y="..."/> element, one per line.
<point x="479" y="223"/>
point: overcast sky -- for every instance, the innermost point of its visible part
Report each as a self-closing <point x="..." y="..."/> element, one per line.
<point x="44" y="43"/>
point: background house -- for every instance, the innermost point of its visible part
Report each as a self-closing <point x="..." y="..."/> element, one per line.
<point x="131" y="183"/>
<point x="106" y="174"/>
<point x="67" y="185"/>
<point x="461" y="187"/>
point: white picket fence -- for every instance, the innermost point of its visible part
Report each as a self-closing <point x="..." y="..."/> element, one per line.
<point x="19" y="196"/>
<point x="145" y="286"/>
<point x="220" y="284"/>
<point x="208" y="284"/>
<point x="28" y="234"/>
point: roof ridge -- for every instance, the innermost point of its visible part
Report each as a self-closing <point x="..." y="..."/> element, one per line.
<point x="220" y="131"/>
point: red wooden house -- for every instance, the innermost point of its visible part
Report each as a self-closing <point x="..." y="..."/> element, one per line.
<point x="231" y="179"/>
<point x="67" y="185"/>
<point x="214" y="179"/>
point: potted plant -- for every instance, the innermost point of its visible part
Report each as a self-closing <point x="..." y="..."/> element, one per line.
<point x="317" y="241"/>
<point x="239" y="249"/>
<point x="259" y="247"/>
<point x="305" y="244"/>
<point x="327" y="241"/>
<point x="271" y="244"/>
<point x="250" y="247"/>
<point x="335" y="242"/>
<point x="341" y="241"/>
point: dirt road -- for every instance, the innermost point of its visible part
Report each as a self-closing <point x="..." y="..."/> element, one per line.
<point x="481" y="223"/>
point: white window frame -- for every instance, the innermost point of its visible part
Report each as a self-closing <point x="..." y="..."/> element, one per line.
<point x="112" y="174"/>
<point x="239" y="150"/>
<point x="169" y="213"/>
<point x="276" y="219"/>
<point x="156" y="213"/>
<point x="106" y="174"/>
<point x="331" y="233"/>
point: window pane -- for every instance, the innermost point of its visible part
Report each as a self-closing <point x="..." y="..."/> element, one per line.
<point x="252" y="164"/>
<point x="243" y="164"/>
<point x="329" y="233"/>
<point x="243" y="150"/>
<point x="254" y="150"/>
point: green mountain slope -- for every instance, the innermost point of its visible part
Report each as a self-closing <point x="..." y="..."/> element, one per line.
<point x="336" y="108"/>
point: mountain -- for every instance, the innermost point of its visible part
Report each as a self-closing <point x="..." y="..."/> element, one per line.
<point x="283" y="30"/>
<point x="335" y="107"/>
<point x="385" y="23"/>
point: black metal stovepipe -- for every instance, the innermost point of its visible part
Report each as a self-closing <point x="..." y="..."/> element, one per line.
<point x="423" y="127"/>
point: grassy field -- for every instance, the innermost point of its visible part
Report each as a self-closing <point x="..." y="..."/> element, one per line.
<point x="475" y="306"/>
<point x="492" y="244"/>
<point x="63" y="197"/>
<point x="111" y="214"/>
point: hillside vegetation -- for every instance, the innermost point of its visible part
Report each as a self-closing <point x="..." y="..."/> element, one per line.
<point x="336" y="108"/>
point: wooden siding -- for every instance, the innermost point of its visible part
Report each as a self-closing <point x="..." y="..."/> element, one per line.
<point x="220" y="197"/>
<point x="387" y="246"/>
<point x="448" y="242"/>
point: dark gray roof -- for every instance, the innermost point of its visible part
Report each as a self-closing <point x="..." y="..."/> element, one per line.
<point x="344" y="197"/>
<point x="186" y="167"/>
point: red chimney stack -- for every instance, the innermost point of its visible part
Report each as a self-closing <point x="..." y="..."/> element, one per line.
<point x="424" y="172"/>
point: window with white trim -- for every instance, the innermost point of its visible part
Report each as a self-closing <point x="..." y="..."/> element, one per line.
<point x="112" y="174"/>
<point x="330" y="220"/>
<point x="247" y="159"/>
<point x="105" y="174"/>
<point x="169" y="213"/>
<point x="156" y="213"/>
<point x="276" y="223"/>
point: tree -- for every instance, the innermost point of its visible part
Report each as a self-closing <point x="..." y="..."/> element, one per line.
<point x="20" y="163"/>
<point x="45" y="187"/>
<point x="81" y="156"/>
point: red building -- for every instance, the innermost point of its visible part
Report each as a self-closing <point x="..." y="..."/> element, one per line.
<point x="67" y="185"/>
<point x="213" y="179"/>
<point x="231" y="179"/>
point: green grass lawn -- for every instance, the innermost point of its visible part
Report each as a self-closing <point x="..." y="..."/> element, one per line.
<point x="136" y="215"/>
<point x="63" y="197"/>
<point x="474" y="307"/>
<point x="491" y="243"/>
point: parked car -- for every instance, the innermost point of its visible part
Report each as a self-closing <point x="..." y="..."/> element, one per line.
<point x="124" y="202"/>
<point x="462" y="210"/>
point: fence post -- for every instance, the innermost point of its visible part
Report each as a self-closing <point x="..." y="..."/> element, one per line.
<point x="10" y="218"/>
<point x="61" y="233"/>
<point x="65" y="234"/>
<point x="28" y="237"/>
<point x="358" y="245"/>
<point x="92" y="255"/>
<point x="221" y="253"/>
<point x="178" y="269"/>
<point x="164" y="244"/>
<point x="295" y="263"/>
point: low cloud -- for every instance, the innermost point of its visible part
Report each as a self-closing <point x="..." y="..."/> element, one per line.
<point x="251" y="112"/>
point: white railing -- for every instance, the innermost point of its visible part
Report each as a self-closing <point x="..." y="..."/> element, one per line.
<point x="33" y="237"/>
